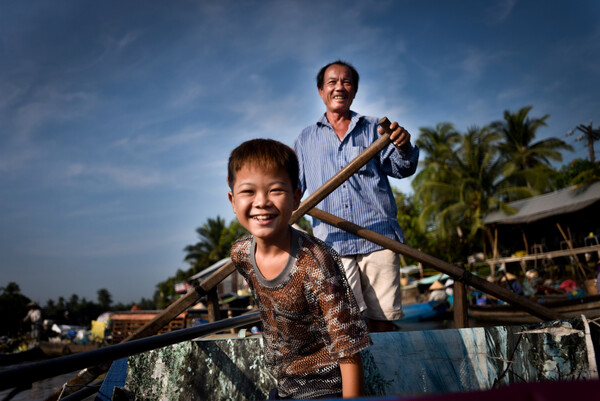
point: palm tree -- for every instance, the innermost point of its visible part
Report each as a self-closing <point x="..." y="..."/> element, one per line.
<point x="215" y="243"/>
<point x="210" y="248"/>
<point x="528" y="163"/>
<point x="437" y="144"/>
<point x="456" y="202"/>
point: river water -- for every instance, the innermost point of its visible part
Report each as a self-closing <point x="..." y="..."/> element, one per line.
<point x="41" y="389"/>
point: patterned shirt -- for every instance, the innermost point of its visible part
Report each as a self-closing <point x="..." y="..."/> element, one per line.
<point x="366" y="198"/>
<point x="309" y="315"/>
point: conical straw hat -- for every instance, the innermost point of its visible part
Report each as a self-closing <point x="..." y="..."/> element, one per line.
<point x="437" y="286"/>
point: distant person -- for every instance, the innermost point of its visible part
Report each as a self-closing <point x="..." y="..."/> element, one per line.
<point x="366" y="198"/>
<point x="437" y="292"/>
<point x="34" y="317"/>
<point x="312" y="326"/>
<point x="511" y="283"/>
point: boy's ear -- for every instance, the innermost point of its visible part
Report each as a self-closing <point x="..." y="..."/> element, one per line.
<point x="230" y="196"/>
<point x="297" y="198"/>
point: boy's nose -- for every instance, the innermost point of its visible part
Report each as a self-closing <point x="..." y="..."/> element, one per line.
<point x="261" y="199"/>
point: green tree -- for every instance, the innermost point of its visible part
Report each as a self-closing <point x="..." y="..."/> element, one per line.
<point x="213" y="245"/>
<point x="13" y="308"/>
<point x="456" y="201"/>
<point x="104" y="298"/>
<point x="437" y="146"/>
<point x="526" y="162"/>
<point x="580" y="172"/>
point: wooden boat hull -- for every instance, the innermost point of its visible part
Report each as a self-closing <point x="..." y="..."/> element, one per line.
<point x="60" y="349"/>
<point x="508" y="314"/>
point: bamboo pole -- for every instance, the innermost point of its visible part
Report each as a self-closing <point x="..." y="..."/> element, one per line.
<point x="573" y="254"/>
<point x="455" y="272"/>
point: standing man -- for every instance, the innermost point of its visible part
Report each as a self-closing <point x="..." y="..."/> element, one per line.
<point x="34" y="317"/>
<point x="365" y="199"/>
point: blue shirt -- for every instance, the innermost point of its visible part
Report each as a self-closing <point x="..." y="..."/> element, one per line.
<point x="366" y="198"/>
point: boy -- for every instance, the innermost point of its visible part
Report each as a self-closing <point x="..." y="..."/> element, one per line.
<point x="311" y="323"/>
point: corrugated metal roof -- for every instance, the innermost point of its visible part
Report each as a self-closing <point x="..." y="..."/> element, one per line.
<point x="540" y="207"/>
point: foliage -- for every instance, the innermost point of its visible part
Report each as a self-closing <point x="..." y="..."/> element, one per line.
<point x="464" y="176"/>
<point x="579" y="172"/>
<point x="526" y="162"/>
<point x="13" y="308"/>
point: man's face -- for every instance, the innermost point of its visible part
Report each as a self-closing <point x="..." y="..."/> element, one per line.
<point x="338" y="89"/>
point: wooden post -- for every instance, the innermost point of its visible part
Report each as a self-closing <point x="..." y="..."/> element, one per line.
<point x="214" y="313"/>
<point x="525" y="242"/>
<point x="461" y="319"/>
<point x="573" y="254"/>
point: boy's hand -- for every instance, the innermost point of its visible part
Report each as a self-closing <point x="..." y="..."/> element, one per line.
<point x="399" y="136"/>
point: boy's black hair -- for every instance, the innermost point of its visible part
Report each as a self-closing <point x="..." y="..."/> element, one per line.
<point x="321" y="74"/>
<point x="267" y="154"/>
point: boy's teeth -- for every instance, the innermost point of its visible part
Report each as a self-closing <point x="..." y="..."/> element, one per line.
<point x="262" y="217"/>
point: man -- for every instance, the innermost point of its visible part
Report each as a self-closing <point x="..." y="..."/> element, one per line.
<point x="34" y="316"/>
<point x="366" y="198"/>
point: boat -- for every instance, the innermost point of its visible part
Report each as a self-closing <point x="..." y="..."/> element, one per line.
<point x="12" y="358"/>
<point x="424" y="311"/>
<point x="402" y="364"/>
<point x="507" y="314"/>
<point x="61" y="348"/>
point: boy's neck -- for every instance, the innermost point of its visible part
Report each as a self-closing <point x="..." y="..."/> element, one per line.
<point x="272" y="256"/>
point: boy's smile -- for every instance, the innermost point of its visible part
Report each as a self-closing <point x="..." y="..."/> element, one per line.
<point x="263" y="201"/>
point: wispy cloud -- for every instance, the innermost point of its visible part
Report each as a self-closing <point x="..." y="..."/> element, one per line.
<point x="499" y="11"/>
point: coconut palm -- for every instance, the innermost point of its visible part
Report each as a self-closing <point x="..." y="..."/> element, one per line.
<point x="472" y="184"/>
<point x="210" y="247"/>
<point x="528" y="162"/>
<point x="436" y="143"/>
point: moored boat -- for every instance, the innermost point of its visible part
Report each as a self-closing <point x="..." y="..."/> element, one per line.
<point x="508" y="314"/>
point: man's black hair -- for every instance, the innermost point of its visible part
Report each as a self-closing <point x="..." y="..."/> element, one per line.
<point x="321" y="74"/>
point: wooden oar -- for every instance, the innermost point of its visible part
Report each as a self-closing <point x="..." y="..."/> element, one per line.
<point x="191" y="297"/>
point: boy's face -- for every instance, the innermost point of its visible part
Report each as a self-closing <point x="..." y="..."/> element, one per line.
<point x="263" y="201"/>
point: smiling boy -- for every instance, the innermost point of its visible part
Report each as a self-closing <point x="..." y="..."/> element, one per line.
<point x="311" y="322"/>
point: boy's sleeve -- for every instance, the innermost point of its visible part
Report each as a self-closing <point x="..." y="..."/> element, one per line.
<point x="333" y="306"/>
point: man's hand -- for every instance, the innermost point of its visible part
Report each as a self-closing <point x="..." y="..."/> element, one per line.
<point x="399" y="137"/>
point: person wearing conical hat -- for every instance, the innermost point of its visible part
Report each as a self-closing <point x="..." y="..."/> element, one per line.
<point x="437" y="292"/>
<point x="512" y="283"/>
<point x="34" y="316"/>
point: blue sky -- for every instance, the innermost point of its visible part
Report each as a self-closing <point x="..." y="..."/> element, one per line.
<point x="117" y="118"/>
